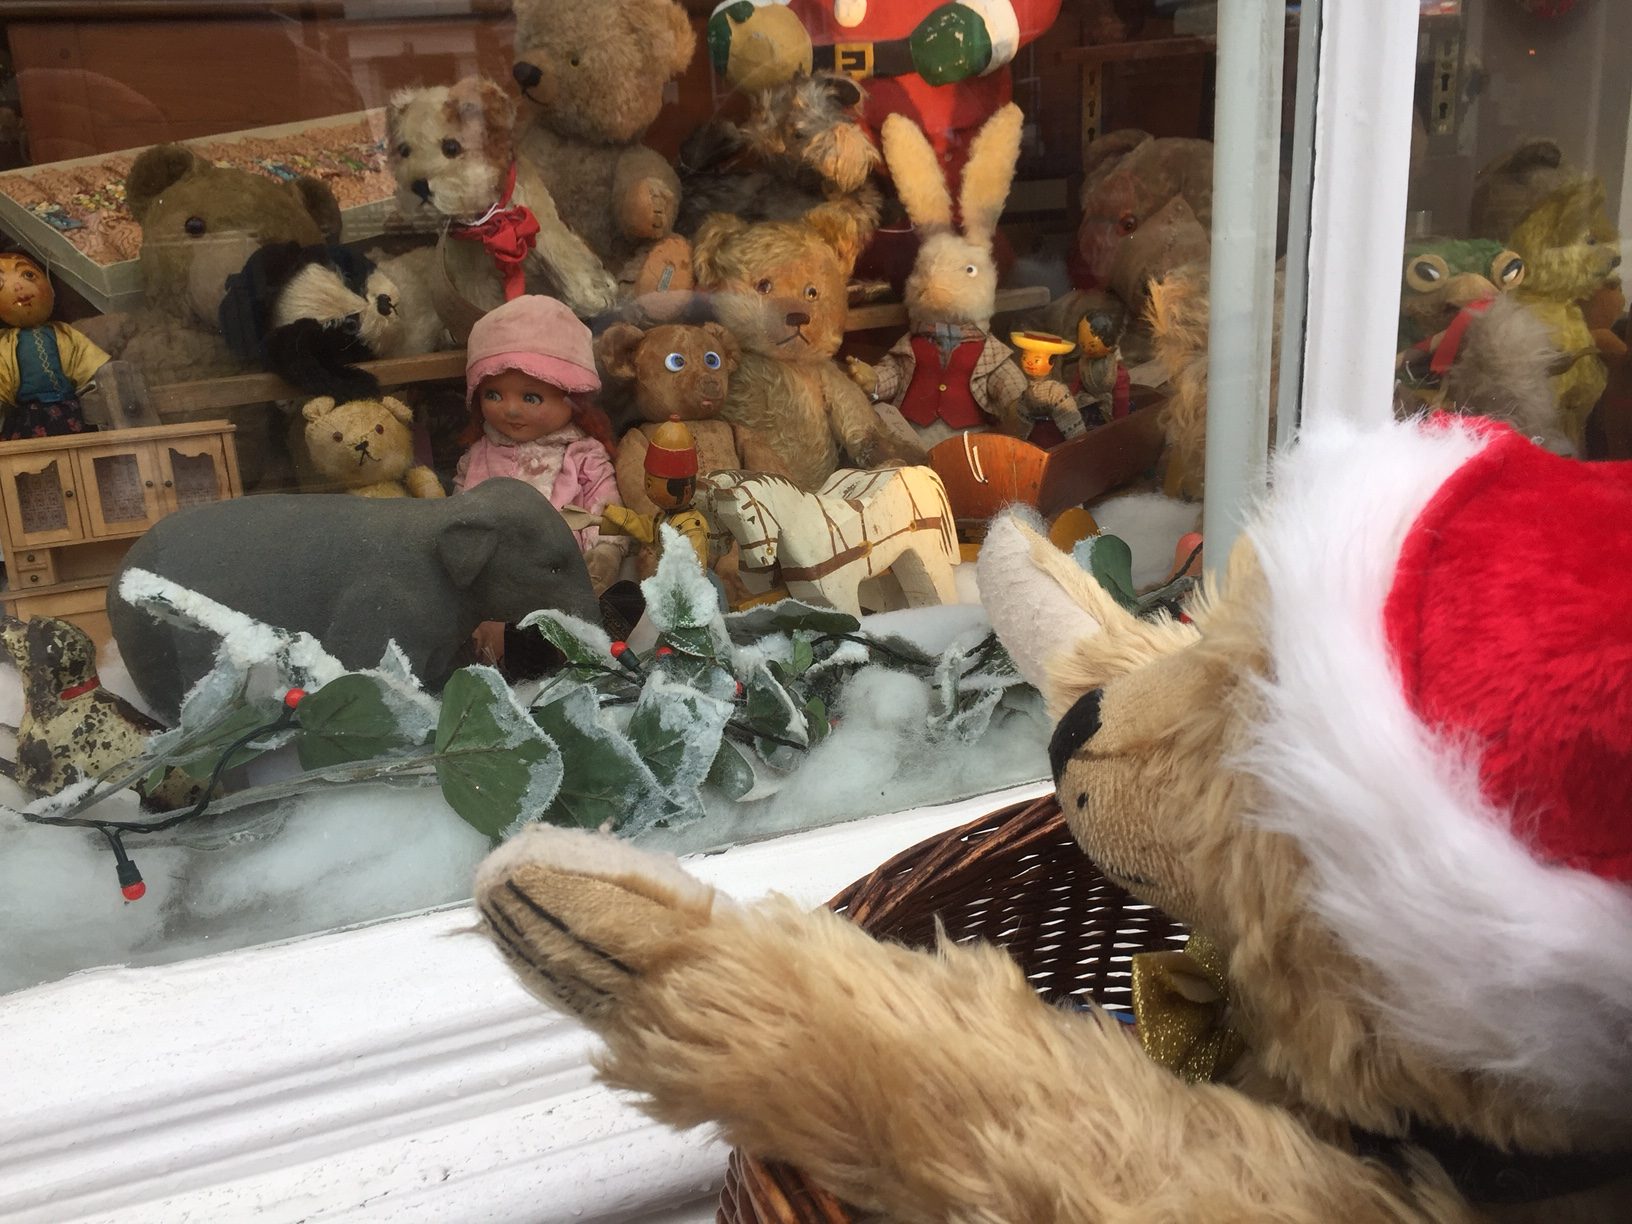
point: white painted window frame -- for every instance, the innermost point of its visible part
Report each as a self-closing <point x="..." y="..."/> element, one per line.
<point x="395" y="1072"/>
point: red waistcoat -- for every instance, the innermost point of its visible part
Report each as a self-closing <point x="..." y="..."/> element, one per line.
<point x="943" y="391"/>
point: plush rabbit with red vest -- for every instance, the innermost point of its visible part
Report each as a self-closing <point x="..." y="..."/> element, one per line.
<point x="949" y="373"/>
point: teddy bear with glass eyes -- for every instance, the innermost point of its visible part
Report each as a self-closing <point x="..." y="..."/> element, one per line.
<point x="677" y="372"/>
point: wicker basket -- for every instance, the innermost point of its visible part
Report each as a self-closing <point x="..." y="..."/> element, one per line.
<point x="1015" y="878"/>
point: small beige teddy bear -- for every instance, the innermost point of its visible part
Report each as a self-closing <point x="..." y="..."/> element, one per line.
<point x="365" y="447"/>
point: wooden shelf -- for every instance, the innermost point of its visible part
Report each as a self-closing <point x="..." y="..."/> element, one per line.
<point x="229" y="392"/>
<point x="1148" y="49"/>
<point x="894" y="314"/>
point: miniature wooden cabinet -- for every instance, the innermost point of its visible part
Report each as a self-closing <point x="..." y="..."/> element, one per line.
<point x="70" y="506"/>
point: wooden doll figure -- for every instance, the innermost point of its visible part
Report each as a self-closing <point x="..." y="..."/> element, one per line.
<point x="671" y="484"/>
<point x="44" y="366"/>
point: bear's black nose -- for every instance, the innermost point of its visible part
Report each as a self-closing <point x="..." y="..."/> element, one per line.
<point x="798" y="319"/>
<point x="527" y="75"/>
<point x="384" y="305"/>
<point x="422" y="188"/>
<point x="1080" y="724"/>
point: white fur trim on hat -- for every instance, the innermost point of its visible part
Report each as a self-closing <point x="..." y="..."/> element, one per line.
<point x="1487" y="958"/>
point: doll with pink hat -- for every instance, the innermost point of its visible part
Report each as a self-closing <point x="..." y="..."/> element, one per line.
<point x="529" y="376"/>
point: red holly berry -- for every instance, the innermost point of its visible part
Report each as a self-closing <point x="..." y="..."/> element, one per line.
<point x="618" y="649"/>
<point x="663" y="652"/>
<point x="294" y="697"/>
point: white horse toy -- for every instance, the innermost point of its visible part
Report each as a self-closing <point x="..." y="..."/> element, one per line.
<point x="822" y="546"/>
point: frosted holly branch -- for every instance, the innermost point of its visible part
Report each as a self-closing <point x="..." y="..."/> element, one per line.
<point x="615" y="739"/>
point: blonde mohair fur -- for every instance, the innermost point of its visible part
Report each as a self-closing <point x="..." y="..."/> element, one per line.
<point x="780" y="288"/>
<point x="450" y="150"/>
<point x="365" y="447"/>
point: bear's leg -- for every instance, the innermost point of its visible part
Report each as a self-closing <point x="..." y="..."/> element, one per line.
<point x="925" y="1087"/>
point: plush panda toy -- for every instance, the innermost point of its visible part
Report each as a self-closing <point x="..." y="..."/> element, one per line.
<point x="309" y="313"/>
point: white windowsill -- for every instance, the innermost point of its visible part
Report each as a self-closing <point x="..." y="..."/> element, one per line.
<point x="393" y="1072"/>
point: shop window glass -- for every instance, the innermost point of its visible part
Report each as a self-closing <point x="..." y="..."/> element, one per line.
<point x="253" y="257"/>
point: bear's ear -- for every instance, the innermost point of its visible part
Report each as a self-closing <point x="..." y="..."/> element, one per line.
<point x="398" y="409"/>
<point x="318" y="203"/>
<point x="616" y="350"/>
<point x="479" y="100"/>
<point x="713" y="239"/>
<point x="726" y="344"/>
<point x="684" y="39"/>
<point x="837" y="227"/>
<point x="317" y="409"/>
<point x="1102" y="156"/>
<point x="155" y="171"/>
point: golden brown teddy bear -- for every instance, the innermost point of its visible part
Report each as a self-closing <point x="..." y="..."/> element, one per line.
<point x="366" y="447"/>
<point x="1382" y="772"/>
<point x="780" y="287"/>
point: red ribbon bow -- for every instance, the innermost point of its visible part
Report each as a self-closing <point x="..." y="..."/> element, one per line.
<point x="508" y="234"/>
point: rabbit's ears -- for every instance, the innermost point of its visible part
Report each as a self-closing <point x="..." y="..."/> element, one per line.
<point x="986" y="175"/>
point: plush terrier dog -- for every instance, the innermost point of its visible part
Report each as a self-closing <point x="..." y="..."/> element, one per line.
<point x="72" y="727"/>
<point x="453" y="156"/>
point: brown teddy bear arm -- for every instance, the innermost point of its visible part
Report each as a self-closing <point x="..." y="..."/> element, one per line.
<point x="645" y="194"/>
<point x="630" y="467"/>
<point x="756" y="454"/>
<point x="856" y="426"/>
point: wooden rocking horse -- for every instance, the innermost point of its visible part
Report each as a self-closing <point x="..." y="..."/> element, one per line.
<point x="822" y="546"/>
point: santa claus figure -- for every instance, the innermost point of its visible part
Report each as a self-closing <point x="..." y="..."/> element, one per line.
<point x="943" y="65"/>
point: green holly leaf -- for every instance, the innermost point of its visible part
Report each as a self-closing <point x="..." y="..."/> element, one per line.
<point x="587" y="647"/>
<point x="350" y="719"/>
<point x="676" y="730"/>
<point x="772" y="710"/>
<point x="731" y="774"/>
<point x="803" y="656"/>
<point x="816" y="719"/>
<point x="787" y="616"/>
<point x="496" y="767"/>
<point x="1110" y="560"/>
<point x="606" y="782"/>
<point x="205" y="751"/>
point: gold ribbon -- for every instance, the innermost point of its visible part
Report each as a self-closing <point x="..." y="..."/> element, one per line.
<point x="1181" y="1003"/>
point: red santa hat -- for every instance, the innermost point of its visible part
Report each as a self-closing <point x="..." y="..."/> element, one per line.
<point x="1447" y="736"/>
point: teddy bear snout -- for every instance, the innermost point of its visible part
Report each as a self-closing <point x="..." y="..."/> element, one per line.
<point x="422" y="189"/>
<point x="1080" y="724"/>
<point x="384" y="305"/>
<point x="527" y="75"/>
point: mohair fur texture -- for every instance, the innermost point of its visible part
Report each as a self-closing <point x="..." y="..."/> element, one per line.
<point x="802" y="147"/>
<point x="1404" y="960"/>
<point x="780" y="288"/>
<point x="1177" y="313"/>
<point x="592" y="78"/>
<point x="677" y="372"/>
<point x="366" y="447"/>
<point x="451" y="150"/>
<point x="1570" y="250"/>
<point x="1129" y="177"/>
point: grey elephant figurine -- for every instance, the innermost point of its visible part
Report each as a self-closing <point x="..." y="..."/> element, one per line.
<point x="355" y="573"/>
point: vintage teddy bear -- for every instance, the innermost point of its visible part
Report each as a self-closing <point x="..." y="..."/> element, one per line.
<point x="1509" y="186"/>
<point x="1570" y="250"/>
<point x="779" y="287"/>
<point x="802" y="147"/>
<point x="452" y="152"/>
<point x="200" y="224"/>
<point x="593" y="77"/>
<point x="1147" y="207"/>
<point x="366" y="447"/>
<point x="677" y="372"/>
<point x="1384" y="783"/>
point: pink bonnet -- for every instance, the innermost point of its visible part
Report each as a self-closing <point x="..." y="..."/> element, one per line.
<point x="536" y="335"/>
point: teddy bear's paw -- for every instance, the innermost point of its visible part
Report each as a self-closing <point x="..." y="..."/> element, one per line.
<point x="581" y="917"/>
<point x="649" y="209"/>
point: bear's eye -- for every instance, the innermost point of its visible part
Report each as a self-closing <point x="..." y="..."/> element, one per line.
<point x="675" y="362"/>
<point x="764" y="286"/>
<point x="573" y="60"/>
<point x="1127" y="223"/>
<point x="379" y="429"/>
<point x="451" y="147"/>
<point x="970" y="270"/>
<point x="711" y="360"/>
<point x="194" y="226"/>
<point x="1591" y="239"/>
<point x="811" y="293"/>
<point x="338" y="436"/>
<point x="404" y="150"/>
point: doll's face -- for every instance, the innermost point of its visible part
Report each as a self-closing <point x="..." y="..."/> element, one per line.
<point x="669" y="493"/>
<point x="26" y="296"/>
<point x="521" y="407"/>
